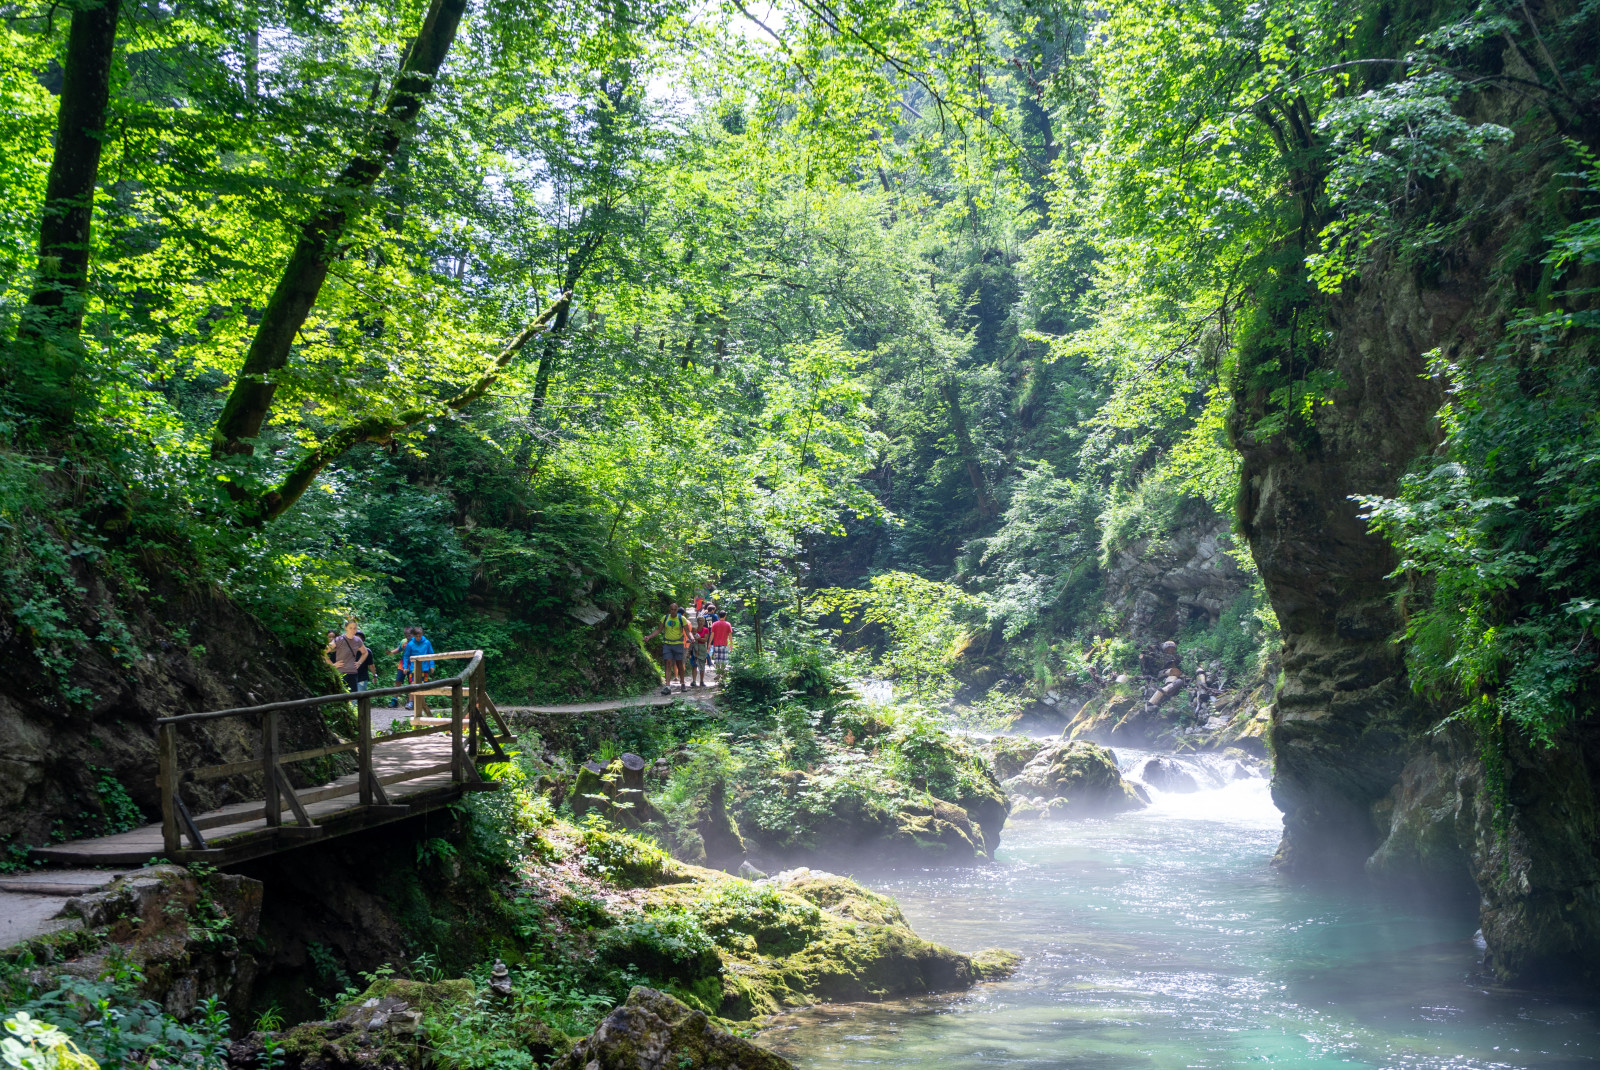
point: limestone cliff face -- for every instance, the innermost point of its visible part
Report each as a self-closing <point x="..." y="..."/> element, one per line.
<point x="186" y="649"/>
<point x="1158" y="588"/>
<point x="1363" y="778"/>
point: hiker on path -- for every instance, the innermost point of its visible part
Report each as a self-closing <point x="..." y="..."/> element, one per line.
<point x="410" y="650"/>
<point x="348" y="653"/>
<point x="674" y="632"/>
<point x="721" y="631"/>
<point x="700" y="649"/>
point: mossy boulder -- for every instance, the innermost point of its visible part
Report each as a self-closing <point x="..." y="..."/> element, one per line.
<point x="1120" y="713"/>
<point x="995" y="963"/>
<point x="382" y="1029"/>
<point x="845" y="898"/>
<point x="1007" y="755"/>
<point x="950" y="768"/>
<point x="854" y="813"/>
<point x="625" y="860"/>
<point x="653" y="1031"/>
<point x="1077" y="779"/>
<point x="807" y="937"/>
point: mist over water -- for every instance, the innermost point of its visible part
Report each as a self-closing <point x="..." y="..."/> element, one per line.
<point x="1162" y="939"/>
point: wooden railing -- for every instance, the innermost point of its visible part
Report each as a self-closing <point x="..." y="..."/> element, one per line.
<point x="470" y="712"/>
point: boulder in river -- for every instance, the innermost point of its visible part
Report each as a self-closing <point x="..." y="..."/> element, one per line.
<point x="1007" y="755"/>
<point x="840" y="815"/>
<point x="653" y="1031"/>
<point x="1164" y="774"/>
<point x="1080" y="779"/>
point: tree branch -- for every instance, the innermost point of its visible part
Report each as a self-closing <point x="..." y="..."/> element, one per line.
<point x="276" y="502"/>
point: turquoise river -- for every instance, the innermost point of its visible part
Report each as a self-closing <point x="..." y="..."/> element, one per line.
<point x="1162" y="939"/>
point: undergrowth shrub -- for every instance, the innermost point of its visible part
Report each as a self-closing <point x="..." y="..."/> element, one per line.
<point x="623" y="859"/>
<point x="670" y="945"/>
<point x="741" y="916"/>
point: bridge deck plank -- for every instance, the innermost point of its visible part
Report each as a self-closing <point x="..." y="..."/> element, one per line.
<point x="250" y="837"/>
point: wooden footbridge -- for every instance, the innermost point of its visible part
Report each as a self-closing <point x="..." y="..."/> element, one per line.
<point x="397" y="775"/>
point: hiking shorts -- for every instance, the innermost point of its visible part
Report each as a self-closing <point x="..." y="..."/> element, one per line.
<point x="672" y="651"/>
<point x="719" y="656"/>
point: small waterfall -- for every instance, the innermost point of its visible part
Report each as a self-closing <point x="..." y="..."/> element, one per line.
<point x="1206" y="787"/>
<point x="875" y="690"/>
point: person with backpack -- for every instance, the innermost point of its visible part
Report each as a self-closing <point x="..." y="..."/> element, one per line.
<point x="674" y="632"/>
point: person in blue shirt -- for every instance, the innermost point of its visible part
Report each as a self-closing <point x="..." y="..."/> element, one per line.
<point x="410" y="650"/>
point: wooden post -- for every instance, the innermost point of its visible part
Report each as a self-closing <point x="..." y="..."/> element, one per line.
<point x="269" y="768"/>
<point x="167" y="741"/>
<point x="364" y="748"/>
<point x="458" y="756"/>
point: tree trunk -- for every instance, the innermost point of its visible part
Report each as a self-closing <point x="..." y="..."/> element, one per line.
<point x="54" y="318"/>
<point x="548" y="353"/>
<point x="251" y="400"/>
<point x="969" y="456"/>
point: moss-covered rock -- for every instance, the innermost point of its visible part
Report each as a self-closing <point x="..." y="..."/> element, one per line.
<point x="806" y="937"/>
<point x="625" y="860"/>
<point x="1007" y="755"/>
<point x="852" y="813"/>
<point x="653" y="1031"/>
<point x="995" y="963"/>
<point x="845" y="898"/>
<point x="925" y="754"/>
<point x="1079" y="779"/>
<point x="382" y="1029"/>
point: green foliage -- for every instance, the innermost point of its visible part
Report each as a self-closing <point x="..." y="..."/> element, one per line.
<point x="924" y="621"/>
<point x="1497" y="533"/>
<point x="921" y="752"/>
<point x="1242" y="639"/>
<point x="121" y="813"/>
<point x="740" y="916"/>
<point x="666" y="944"/>
<point x="36" y="1045"/>
<point x="107" y="1021"/>
<point x="623" y="859"/>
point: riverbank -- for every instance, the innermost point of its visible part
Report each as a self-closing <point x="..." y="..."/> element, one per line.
<point x="1161" y="938"/>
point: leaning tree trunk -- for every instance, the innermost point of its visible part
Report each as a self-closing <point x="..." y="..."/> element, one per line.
<point x="50" y="327"/>
<point x="969" y="456"/>
<point x="307" y="269"/>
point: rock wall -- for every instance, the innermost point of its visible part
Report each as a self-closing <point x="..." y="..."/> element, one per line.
<point x="192" y="649"/>
<point x="1156" y="589"/>
<point x="1365" y="783"/>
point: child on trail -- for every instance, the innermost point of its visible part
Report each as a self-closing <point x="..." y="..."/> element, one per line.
<point x="721" y="631"/>
<point x="348" y="653"/>
<point x="700" y="649"/>
<point x="674" y="632"/>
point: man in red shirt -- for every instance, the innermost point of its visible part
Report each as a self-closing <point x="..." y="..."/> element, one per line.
<point x="720" y="631"/>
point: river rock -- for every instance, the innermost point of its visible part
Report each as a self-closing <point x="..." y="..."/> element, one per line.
<point x="1007" y="755"/>
<point x="816" y="817"/>
<point x="1080" y="779"/>
<point x="653" y="1031"/>
<point x="1028" y="809"/>
<point x="1164" y="774"/>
